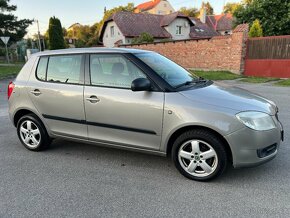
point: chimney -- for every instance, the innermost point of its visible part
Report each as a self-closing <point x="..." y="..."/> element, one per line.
<point x="202" y="15"/>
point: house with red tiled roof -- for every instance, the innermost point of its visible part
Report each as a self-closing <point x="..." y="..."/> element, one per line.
<point x="201" y="30"/>
<point x="160" y="7"/>
<point x="123" y="27"/>
<point x="222" y="23"/>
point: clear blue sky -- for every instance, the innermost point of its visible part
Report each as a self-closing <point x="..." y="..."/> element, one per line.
<point x="85" y="12"/>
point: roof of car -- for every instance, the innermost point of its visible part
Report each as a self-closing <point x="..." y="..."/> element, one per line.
<point x="89" y="50"/>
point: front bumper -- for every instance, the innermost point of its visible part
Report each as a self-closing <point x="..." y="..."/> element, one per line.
<point x="252" y="148"/>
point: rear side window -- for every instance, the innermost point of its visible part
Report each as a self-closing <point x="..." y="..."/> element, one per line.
<point x="64" y="69"/>
<point x="41" y="68"/>
<point x="60" y="69"/>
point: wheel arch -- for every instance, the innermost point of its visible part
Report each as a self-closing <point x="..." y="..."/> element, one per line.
<point x="183" y="129"/>
<point x="22" y="112"/>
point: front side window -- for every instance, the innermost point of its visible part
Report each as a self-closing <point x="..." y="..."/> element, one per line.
<point x="171" y="72"/>
<point x="178" y="30"/>
<point x="64" y="69"/>
<point x="113" y="71"/>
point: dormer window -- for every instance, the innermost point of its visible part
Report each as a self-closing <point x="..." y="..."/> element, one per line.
<point x="178" y="30"/>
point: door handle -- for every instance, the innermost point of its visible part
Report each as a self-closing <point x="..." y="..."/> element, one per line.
<point x="35" y="92"/>
<point x="93" y="99"/>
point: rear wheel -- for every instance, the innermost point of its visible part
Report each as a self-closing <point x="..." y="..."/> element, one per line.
<point x="32" y="133"/>
<point x="199" y="155"/>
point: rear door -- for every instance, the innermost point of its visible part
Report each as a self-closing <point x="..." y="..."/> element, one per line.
<point x="114" y="113"/>
<point x="56" y="90"/>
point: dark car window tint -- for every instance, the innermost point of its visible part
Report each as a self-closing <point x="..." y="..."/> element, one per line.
<point x="41" y="68"/>
<point x="64" y="69"/>
<point x="113" y="71"/>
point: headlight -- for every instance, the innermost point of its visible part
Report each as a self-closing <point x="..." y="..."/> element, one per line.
<point x="256" y="120"/>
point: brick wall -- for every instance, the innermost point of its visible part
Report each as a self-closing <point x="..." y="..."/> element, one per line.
<point x="218" y="53"/>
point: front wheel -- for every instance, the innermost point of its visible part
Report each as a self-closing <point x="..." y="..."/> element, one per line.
<point x="199" y="155"/>
<point x="32" y="133"/>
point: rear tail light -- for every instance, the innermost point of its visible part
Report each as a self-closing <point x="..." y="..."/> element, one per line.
<point x="10" y="89"/>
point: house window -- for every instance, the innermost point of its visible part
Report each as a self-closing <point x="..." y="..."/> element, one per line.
<point x="112" y="31"/>
<point x="178" y="30"/>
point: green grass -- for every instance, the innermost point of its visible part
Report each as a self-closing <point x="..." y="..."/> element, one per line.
<point x="285" y="82"/>
<point x="12" y="62"/>
<point x="9" y="71"/>
<point x="258" y="79"/>
<point x="216" y="75"/>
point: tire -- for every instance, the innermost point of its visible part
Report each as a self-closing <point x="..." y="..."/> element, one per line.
<point x="199" y="155"/>
<point x="32" y="133"/>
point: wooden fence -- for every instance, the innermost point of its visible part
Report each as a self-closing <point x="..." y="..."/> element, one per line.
<point x="268" y="56"/>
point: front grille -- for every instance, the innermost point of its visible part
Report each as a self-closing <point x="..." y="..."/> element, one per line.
<point x="264" y="152"/>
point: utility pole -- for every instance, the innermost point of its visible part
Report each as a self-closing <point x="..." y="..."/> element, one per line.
<point x="39" y="43"/>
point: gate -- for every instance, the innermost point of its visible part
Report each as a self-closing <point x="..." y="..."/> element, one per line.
<point x="268" y="57"/>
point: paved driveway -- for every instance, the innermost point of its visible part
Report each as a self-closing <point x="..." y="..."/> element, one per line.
<point x="78" y="180"/>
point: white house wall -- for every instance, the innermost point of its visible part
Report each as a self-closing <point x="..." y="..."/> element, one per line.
<point x="171" y="28"/>
<point x="164" y="7"/>
<point x="110" y="41"/>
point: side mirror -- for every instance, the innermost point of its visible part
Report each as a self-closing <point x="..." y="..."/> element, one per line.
<point x="141" y="84"/>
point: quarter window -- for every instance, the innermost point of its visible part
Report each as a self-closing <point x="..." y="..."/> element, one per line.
<point x="113" y="71"/>
<point x="64" y="69"/>
<point x="41" y="68"/>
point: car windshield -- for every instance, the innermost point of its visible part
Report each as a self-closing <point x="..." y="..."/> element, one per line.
<point x="171" y="72"/>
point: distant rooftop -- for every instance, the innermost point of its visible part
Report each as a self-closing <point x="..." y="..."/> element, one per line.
<point x="148" y="5"/>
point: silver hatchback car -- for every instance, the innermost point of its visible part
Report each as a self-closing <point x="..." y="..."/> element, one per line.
<point x="140" y="100"/>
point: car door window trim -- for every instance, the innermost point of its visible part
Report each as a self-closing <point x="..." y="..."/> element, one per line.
<point x="88" y="81"/>
<point x="82" y="69"/>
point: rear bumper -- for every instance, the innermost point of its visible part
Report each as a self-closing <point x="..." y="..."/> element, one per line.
<point x="253" y="148"/>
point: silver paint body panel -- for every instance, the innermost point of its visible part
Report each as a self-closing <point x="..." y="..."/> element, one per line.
<point x="143" y="121"/>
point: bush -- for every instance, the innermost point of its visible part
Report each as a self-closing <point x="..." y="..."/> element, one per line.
<point x="143" y="38"/>
<point x="256" y="29"/>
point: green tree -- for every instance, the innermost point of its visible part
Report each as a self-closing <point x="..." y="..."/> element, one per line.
<point x="10" y="25"/>
<point x="108" y="13"/>
<point x="191" y="12"/>
<point x="208" y="7"/>
<point x="231" y="7"/>
<point x="85" y="35"/>
<point x="256" y="29"/>
<point x="274" y="15"/>
<point x="55" y="34"/>
<point x="143" y="38"/>
<point x="29" y="43"/>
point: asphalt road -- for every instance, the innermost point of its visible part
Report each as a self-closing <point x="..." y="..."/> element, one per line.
<point x="79" y="180"/>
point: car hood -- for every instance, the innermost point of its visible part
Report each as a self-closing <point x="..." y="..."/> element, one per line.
<point x="238" y="99"/>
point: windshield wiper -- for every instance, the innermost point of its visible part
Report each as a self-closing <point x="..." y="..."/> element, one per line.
<point x="194" y="81"/>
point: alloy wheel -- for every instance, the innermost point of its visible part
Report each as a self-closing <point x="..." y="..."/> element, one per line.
<point x="198" y="158"/>
<point x="30" y="134"/>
